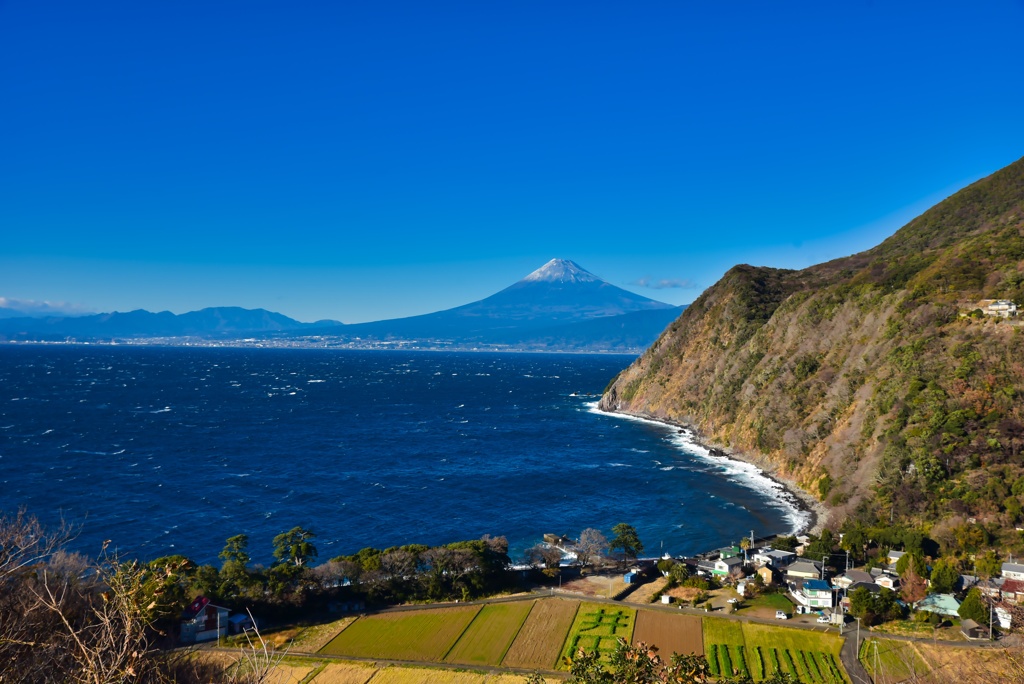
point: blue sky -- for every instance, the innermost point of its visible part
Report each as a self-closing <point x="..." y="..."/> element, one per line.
<point x="361" y="161"/>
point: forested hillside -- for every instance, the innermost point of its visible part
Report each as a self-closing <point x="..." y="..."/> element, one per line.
<point x="872" y="380"/>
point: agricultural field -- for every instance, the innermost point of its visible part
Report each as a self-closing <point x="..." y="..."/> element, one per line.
<point x="669" y="632"/>
<point x="423" y="675"/>
<point x="345" y="673"/>
<point x="808" y="655"/>
<point x="725" y="647"/>
<point x="965" y="664"/>
<point x="286" y="673"/>
<point x="599" y="627"/>
<point x="312" y="639"/>
<point x="490" y="634"/>
<point x="539" y="642"/>
<point x="424" y="635"/>
<point x="759" y="650"/>
<point x="894" y="660"/>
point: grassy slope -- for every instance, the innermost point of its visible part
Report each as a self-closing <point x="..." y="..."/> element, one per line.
<point x="844" y="374"/>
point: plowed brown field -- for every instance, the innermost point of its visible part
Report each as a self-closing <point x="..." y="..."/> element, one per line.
<point x="670" y="633"/>
<point x="539" y="642"/>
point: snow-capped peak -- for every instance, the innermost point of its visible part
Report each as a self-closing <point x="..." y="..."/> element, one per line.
<point x="561" y="271"/>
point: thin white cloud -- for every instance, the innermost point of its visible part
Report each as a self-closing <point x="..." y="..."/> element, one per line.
<point x="665" y="283"/>
<point x="31" y="307"/>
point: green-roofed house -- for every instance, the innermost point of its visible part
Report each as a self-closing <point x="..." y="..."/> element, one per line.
<point x="943" y="604"/>
<point x="729" y="552"/>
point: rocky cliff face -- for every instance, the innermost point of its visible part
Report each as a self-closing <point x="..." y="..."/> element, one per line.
<point x="866" y="379"/>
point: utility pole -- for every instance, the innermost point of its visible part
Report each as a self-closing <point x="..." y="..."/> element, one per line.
<point x="858" y="636"/>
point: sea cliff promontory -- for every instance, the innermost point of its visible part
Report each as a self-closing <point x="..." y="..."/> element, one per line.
<point x="877" y="382"/>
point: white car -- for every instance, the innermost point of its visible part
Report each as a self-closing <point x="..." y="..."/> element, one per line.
<point x="781" y="615"/>
<point x="823" y="619"/>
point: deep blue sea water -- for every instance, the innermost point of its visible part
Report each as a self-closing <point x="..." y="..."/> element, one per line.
<point x="172" y="450"/>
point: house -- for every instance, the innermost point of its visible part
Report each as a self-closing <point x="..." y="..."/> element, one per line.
<point x="706" y="567"/>
<point x="1004" y="617"/>
<point x="965" y="582"/>
<point x="768" y="574"/>
<point x="869" y="586"/>
<point x="803" y="569"/>
<point x="779" y="559"/>
<point x="1014" y="571"/>
<point x="943" y="604"/>
<point x="802" y="540"/>
<point x="852" y="577"/>
<point x="814" y="594"/>
<point x="1003" y="308"/>
<point x="1012" y="591"/>
<point x="888" y="581"/>
<point x="729" y="552"/>
<point x="894" y="557"/>
<point x="973" y="631"/>
<point x="203" y="621"/>
<point x="725" y="566"/>
<point x="239" y="623"/>
<point x="991" y="588"/>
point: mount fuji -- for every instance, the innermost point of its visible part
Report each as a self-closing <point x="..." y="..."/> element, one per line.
<point x="560" y="306"/>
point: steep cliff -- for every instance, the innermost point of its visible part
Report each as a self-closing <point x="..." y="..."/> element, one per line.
<point x="866" y="379"/>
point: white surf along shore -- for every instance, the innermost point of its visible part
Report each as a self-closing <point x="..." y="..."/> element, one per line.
<point x="804" y="513"/>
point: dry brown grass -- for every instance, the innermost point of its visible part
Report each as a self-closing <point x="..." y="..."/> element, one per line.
<point x="540" y="640"/>
<point x="289" y="674"/>
<point x="345" y="673"/>
<point x="515" y="679"/>
<point x="643" y="594"/>
<point x="671" y="633"/>
<point x="312" y="639"/>
<point x="423" y="675"/>
<point x="960" y="664"/>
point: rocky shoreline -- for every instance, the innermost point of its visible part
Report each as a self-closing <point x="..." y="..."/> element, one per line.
<point x="804" y="500"/>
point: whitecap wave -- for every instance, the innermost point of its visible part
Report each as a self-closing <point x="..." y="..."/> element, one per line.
<point x="745" y="474"/>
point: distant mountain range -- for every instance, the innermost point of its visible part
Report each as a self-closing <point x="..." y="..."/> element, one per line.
<point x="560" y="306"/>
<point x="216" y="322"/>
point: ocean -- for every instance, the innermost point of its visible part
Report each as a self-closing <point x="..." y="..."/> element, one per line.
<point x="171" y="450"/>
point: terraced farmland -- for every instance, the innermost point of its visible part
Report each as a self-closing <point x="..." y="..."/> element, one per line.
<point x="423" y="635"/>
<point x="490" y="634"/>
<point x="599" y="627"/>
<point x="532" y="634"/>
<point x="539" y="643"/>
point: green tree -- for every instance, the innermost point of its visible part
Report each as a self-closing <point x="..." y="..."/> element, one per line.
<point x="626" y="540"/>
<point x="234" y="573"/>
<point x="988" y="565"/>
<point x="973" y="607"/>
<point x="820" y="549"/>
<point x="785" y="543"/>
<point x="294" y="546"/>
<point x="236" y="550"/>
<point x="679" y="573"/>
<point x="945" y="576"/>
<point x="911" y="559"/>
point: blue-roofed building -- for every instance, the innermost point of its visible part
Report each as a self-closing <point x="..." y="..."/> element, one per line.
<point x="814" y="594"/>
<point x="943" y="604"/>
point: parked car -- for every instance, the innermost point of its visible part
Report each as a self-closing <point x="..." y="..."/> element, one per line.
<point x="781" y="615"/>
<point x="823" y="620"/>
